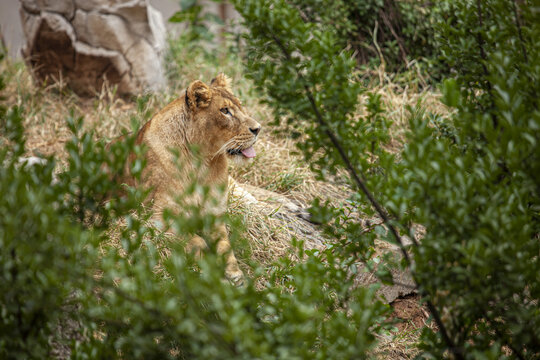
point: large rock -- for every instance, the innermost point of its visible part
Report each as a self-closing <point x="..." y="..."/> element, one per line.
<point x="294" y="218"/>
<point x="85" y="43"/>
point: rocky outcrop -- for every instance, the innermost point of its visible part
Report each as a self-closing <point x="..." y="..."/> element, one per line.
<point x="293" y="218"/>
<point x="87" y="42"/>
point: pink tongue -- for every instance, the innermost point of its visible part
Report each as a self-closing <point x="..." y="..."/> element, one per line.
<point x="249" y="152"/>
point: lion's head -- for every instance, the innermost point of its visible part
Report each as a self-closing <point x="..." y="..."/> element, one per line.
<point x="219" y="123"/>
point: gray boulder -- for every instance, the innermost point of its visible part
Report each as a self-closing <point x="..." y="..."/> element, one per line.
<point x="87" y="42"/>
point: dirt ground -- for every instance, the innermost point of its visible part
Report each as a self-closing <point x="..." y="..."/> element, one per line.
<point x="409" y="313"/>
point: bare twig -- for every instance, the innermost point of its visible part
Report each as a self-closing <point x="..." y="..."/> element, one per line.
<point x="517" y="18"/>
<point x="383" y="15"/>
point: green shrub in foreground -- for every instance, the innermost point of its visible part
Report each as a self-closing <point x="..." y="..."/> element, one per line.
<point x="471" y="181"/>
<point x="88" y="278"/>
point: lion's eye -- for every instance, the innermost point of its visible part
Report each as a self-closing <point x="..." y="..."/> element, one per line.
<point x="225" y="111"/>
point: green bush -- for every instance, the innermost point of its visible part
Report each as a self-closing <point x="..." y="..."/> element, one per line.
<point x="197" y="21"/>
<point x="471" y="34"/>
<point x="471" y="180"/>
<point x="389" y="32"/>
<point x="42" y="255"/>
<point x="86" y="277"/>
<point x="50" y="229"/>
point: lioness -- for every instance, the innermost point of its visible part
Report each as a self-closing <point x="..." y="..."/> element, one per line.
<point x="212" y="119"/>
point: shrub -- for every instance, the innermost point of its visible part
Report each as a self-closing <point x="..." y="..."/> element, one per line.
<point x="48" y="250"/>
<point x="471" y="181"/>
<point x="88" y="278"/>
<point x="197" y="21"/>
<point x="386" y="32"/>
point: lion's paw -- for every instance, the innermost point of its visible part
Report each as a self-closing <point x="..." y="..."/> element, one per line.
<point x="235" y="277"/>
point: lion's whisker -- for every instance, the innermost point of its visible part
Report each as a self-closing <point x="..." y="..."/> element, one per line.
<point x="224" y="147"/>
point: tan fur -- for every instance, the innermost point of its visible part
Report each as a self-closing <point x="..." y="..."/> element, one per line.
<point x="197" y="120"/>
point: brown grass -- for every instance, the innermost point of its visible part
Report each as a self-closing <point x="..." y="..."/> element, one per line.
<point x="277" y="167"/>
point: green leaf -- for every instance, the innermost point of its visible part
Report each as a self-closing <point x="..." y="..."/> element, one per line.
<point x="187" y="4"/>
<point x="213" y="18"/>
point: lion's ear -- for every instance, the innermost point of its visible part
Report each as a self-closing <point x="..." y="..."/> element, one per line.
<point x="222" y="80"/>
<point x="199" y="94"/>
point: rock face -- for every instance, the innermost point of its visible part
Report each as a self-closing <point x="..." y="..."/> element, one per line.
<point x="292" y="217"/>
<point x="87" y="42"/>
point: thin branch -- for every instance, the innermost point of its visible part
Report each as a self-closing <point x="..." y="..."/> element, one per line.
<point x="517" y="18"/>
<point x="519" y="25"/>
<point x="483" y="55"/>
<point x="390" y="7"/>
<point x="380" y="210"/>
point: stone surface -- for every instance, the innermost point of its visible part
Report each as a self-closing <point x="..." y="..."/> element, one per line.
<point x="64" y="8"/>
<point x="89" y="42"/>
<point x="296" y="219"/>
<point x="278" y="208"/>
<point x="403" y="283"/>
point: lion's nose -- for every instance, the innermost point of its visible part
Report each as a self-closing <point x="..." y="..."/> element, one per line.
<point x="255" y="131"/>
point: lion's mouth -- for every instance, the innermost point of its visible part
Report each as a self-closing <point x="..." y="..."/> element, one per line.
<point x="247" y="152"/>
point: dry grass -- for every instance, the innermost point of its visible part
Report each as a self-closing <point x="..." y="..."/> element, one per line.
<point x="277" y="167"/>
<point x="400" y="96"/>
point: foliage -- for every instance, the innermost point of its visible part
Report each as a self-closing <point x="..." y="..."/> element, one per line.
<point x="194" y="315"/>
<point x="129" y="291"/>
<point x="474" y="184"/>
<point x="471" y="33"/>
<point x="311" y="76"/>
<point x="471" y="181"/>
<point x="48" y="251"/>
<point x="74" y="264"/>
<point x="386" y="32"/>
<point x="197" y="21"/>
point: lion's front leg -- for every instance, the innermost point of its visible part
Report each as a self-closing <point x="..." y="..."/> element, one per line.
<point x="223" y="248"/>
<point x="196" y="246"/>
